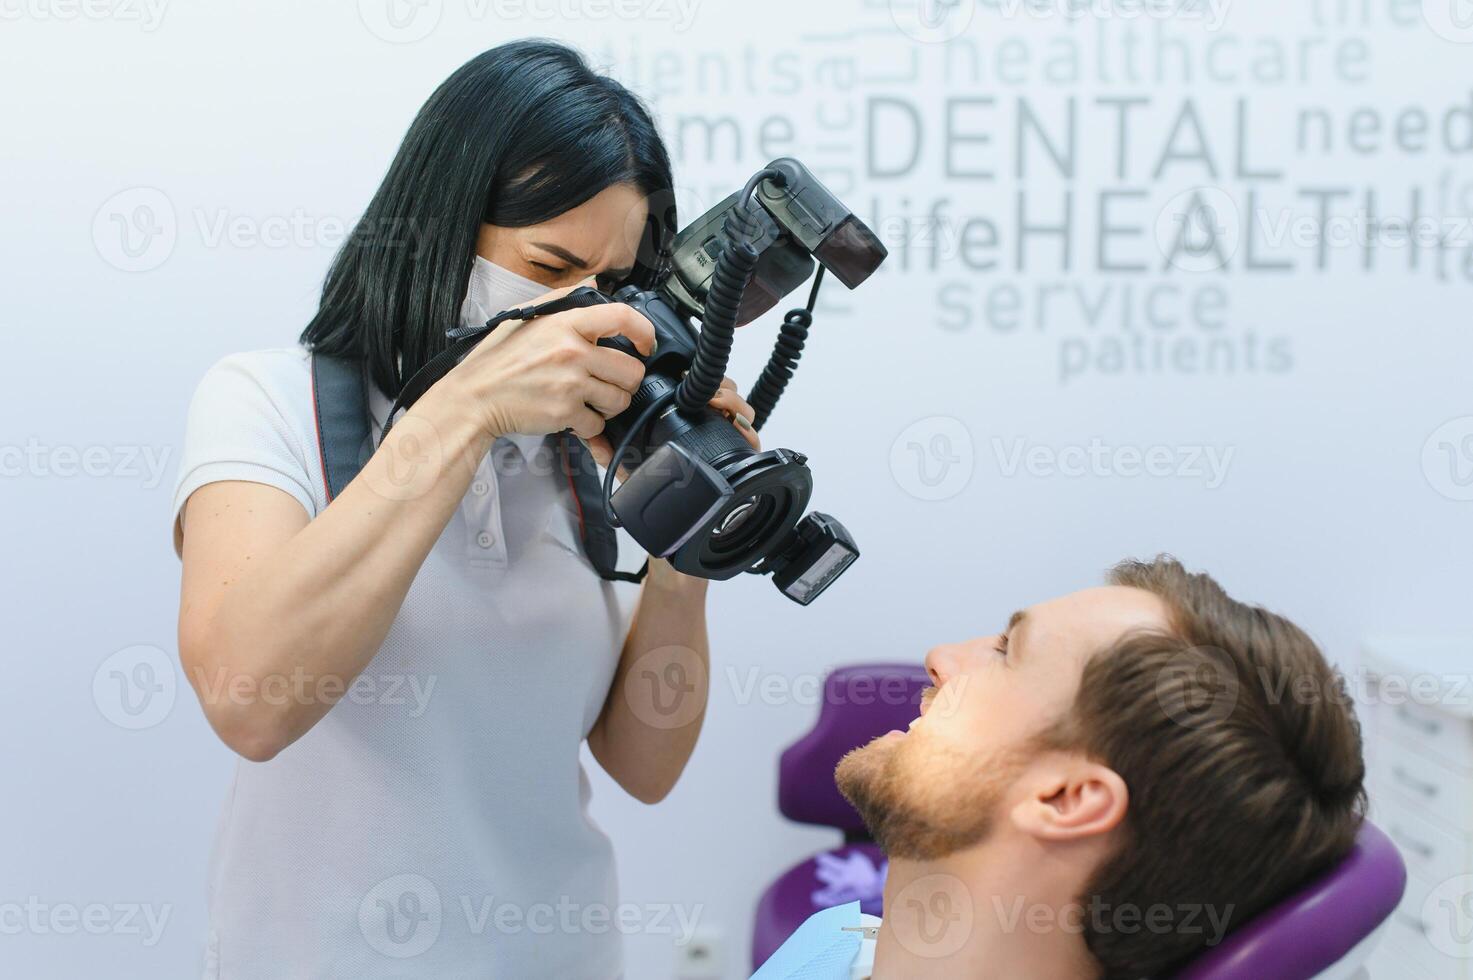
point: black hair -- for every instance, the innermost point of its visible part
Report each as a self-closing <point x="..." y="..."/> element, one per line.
<point x="516" y="136"/>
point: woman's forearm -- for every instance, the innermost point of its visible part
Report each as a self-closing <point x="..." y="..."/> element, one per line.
<point x="650" y="722"/>
<point x="309" y="612"/>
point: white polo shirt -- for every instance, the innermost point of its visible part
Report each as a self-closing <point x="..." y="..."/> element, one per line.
<point x="434" y="823"/>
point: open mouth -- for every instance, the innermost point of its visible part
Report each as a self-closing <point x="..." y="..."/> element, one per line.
<point x="927" y="696"/>
<point x="908" y="728"/>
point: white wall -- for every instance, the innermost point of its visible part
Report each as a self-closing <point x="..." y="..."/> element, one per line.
<point x="226" y="124"/>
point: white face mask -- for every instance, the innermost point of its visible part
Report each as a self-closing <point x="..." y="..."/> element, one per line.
<point x="493" y="289"/>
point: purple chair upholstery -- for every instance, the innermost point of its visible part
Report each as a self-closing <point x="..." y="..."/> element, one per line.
<point x="859" y="703"/>
<point x="1314" y="928"/>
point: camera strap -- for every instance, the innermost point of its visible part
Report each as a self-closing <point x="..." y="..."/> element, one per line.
<point x="340" y="410"/>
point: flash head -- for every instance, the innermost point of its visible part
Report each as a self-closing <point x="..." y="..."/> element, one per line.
<point x="818" y="551"/>
<point x="799" y="220"/>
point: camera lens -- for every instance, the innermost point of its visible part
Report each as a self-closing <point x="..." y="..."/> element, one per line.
<point x="742" y="527"/>
<point x="734" y="517"/>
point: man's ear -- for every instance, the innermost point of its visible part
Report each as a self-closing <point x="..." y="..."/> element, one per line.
<point x="1070" y="798"/>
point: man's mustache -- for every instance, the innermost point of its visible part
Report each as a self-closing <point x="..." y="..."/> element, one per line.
<point x="947" y="698"/>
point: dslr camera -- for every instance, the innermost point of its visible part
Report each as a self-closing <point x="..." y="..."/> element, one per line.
<point x="700" y="496"/>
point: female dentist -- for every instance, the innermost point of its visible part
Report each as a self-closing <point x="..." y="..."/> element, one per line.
<point x="409" y="673"/>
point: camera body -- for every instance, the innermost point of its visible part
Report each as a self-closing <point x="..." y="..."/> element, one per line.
<point x="700" y="496"/>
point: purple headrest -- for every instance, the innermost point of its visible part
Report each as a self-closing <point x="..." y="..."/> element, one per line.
<point x="859" y="703"/>
<point x="1316" y="926"/>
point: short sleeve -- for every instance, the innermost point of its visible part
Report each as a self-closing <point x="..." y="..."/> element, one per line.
<point x="251" y="420"/>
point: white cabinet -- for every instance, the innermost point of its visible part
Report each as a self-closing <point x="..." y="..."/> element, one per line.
<point x="1417" y="713"/>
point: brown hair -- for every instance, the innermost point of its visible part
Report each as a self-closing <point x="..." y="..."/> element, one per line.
<point x="1242" y="757"/>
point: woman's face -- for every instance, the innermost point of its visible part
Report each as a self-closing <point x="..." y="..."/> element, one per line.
<point x="599" y="237"/>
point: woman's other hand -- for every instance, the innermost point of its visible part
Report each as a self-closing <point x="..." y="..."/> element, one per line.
<point x="726" y="401"/>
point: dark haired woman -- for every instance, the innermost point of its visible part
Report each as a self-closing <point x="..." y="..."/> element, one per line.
<point x="417" y="664"/>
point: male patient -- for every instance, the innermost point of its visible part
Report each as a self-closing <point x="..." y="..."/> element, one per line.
<point x="1107" y="786"/>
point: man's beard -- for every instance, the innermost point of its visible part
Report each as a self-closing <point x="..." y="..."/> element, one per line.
<point x="924" y="801"/>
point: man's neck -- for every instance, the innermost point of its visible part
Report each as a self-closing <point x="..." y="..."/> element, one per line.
<point x="981" y="914"/>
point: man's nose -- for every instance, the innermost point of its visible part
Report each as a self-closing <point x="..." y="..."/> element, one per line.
<point x="952" y="659"/>
<point x="945" y="662"/>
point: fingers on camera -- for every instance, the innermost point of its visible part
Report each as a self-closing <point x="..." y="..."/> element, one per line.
<point x="616" y="367"/>
<point x="606" y="399"/>
<point x="587" y="423"/>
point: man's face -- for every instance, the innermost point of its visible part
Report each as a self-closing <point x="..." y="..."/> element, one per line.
<point x="942" y="785"/>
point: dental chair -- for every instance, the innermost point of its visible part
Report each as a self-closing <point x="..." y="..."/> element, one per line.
<point x="1323" y="931"/>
